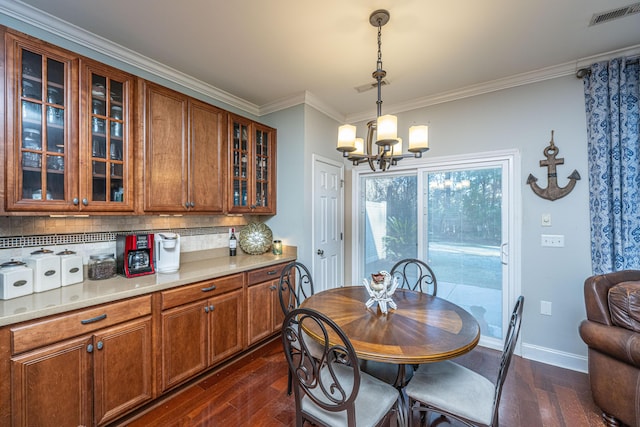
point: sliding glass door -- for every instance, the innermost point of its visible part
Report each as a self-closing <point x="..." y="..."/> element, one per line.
<point x="453" y="216"/>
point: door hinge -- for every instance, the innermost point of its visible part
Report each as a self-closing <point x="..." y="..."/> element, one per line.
<point x="340" y="236"/>
<point x="342" y="183"/>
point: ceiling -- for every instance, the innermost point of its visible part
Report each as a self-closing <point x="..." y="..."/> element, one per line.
<point x="267" y="51"/>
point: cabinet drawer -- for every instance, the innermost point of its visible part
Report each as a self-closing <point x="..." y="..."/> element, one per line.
<point x="58" y="328"/>
<point x="200" y="290"/>
<point x="265" y="274"/>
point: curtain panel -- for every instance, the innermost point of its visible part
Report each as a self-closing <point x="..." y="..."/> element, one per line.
<point x="611" y="101"/>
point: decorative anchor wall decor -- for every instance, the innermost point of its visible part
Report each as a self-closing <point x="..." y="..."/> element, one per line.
<point x="552" y="192"/>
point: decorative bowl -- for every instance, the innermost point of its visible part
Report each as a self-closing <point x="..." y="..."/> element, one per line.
<point x="255" y="238"/>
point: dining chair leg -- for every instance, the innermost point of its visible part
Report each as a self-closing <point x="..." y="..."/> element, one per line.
<point x="289" y="384"/>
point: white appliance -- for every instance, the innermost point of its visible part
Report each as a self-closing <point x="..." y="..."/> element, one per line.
<point x="70" y="267"/>
<point x="46" y="270"/>
<point x="16" y="279"/>
<point x="167" y="252"/>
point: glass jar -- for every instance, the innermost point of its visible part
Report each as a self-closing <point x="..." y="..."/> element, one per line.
<point x="277" y="247"/>
<point x="101" y="266"/>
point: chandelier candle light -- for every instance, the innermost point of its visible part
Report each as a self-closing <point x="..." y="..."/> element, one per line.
<point x="385" y="126"/>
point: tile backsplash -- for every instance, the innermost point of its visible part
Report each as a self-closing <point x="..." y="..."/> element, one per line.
<point x="19" y="236"/>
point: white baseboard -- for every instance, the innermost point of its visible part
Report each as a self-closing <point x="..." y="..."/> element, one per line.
<point x="555" y="357"/>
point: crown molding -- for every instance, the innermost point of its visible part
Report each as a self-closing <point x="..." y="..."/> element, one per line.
<point x="60" y="28"/>
<point x="562" y="70"/>
<point x="306" y="98"/>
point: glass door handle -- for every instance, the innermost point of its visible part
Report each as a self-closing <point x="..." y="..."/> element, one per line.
<point x="503" y="254"/>
<point x="320" y="252"/>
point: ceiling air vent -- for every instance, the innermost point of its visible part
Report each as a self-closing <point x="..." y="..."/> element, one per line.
<point x="610" y="15"/>
<point x="371" y="85"/>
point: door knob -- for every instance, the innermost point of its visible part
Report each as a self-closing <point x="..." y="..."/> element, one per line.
<point x="320" y="252"/>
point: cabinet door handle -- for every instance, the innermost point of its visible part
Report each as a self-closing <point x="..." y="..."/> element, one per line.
<point x="90" y="348"/>
<point x="100" y="345"/>
<point x="75" y="201"/>
<point x="85" y="201"/>
<point x="192" y="204"/>
<point x="273" y="287"/>
<point x="211" y="307"/>
<point x="186" y="205"/>
<point x="272" y="272"/>
<point x="94" y="319"/>
<point x="206" y="309"/>
<point x="210" y="288"/>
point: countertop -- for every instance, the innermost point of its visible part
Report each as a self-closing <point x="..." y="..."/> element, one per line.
<point x="194" y="267"/>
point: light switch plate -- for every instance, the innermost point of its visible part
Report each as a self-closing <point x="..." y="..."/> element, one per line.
<point x="552" y="240"/>
<point x="546" y="220"/>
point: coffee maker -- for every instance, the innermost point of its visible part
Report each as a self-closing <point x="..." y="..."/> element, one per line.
<point x="167" y="252"/>
<point x="134" y="254"/>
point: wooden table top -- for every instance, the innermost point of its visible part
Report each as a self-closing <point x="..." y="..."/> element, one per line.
<point x="422" y="329"/>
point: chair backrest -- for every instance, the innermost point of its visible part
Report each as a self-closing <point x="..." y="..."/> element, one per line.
<point x="415" y="275"/>
<point x="331" y="381"/>
<point x="295" y="285"/>
<point x="507" y="352"/>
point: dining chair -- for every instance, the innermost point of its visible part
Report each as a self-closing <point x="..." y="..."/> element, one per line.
<point x="460" y="393"/>
<point x="330" y="390"/>
<point x="416" y="275"/>
<point x="294" y="286"/>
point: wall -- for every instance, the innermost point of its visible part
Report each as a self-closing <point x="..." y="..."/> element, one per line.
<point x="522" y="118"/>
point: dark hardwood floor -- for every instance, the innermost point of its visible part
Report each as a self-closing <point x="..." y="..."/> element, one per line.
<point x="253" y="392"/>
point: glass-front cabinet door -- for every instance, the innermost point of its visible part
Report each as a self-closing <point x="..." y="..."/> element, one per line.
<point x="105" y="138"/>
<point x="40" y="123"/>
<point x="252" y="166"/>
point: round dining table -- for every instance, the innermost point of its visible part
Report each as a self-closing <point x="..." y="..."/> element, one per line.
<point x="422" y="329"/>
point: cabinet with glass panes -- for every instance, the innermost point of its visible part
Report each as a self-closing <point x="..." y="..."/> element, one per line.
<point x="46" y="160"/>
<point x="40" y="126"/>
<point x="252" y="165"/>
<point x="106" y="138"/>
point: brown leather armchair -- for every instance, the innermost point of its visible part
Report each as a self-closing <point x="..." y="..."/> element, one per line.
<point x="612" y="333"/>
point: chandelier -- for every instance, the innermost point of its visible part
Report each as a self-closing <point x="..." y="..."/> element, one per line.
<point x="388" y="148"/>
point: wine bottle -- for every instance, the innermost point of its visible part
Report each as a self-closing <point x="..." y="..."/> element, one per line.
<point x="232" y="243"/>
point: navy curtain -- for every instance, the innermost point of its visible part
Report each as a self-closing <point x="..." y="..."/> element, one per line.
<point x="611" y="100"/>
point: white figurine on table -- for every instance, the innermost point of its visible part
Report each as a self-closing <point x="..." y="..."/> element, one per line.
<point x="380" y="290"/>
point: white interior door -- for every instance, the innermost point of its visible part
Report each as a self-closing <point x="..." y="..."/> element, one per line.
<point x="327" y="223"/>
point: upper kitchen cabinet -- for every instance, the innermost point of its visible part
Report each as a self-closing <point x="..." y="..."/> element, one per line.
<point x="184" y="153"/>
<point x="68" y="131"/>
<point x="106" y="138"/>
<point x="41" y="117"/>
<point x="252" y="163"/>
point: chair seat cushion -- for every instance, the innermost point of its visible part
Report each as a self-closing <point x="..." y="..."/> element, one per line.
<point x="624" y="305"/>
<point x="375" y="398"/>
<point x="455" y="389"/>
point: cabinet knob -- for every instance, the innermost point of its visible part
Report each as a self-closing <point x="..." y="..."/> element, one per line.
<point x="211" y="307"/>
<point x="75" y="201"/>
<point x="100" y="345"/>
<point x="206" y="309"/>
<point x="186" y="205"/>
<point x="273" y="287"/>
<point x="85" y="201"/>
<point x="90" y="348"/>
<point x="192" y="204"/>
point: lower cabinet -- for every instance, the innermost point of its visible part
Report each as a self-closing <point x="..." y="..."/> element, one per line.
<point x="265" y="315"/>
<point x="92" y="366"/>
<point x="88" y="380"/>
<point x="201" y="325"/>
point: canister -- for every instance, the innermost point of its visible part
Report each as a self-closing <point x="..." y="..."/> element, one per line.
<point x="46" y="269"/>
<point x="16" y="279"/>
<point x="70" y="267"/>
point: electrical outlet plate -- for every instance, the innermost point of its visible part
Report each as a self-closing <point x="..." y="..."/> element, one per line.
<point x="545" y="308"/>
<point x="552" y="240"/>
